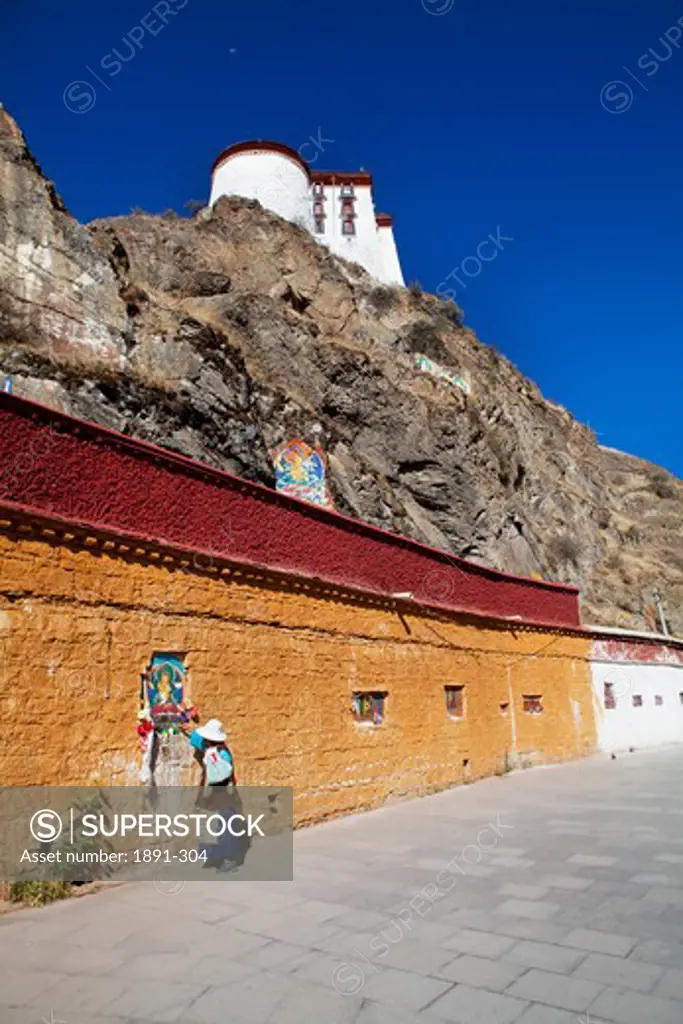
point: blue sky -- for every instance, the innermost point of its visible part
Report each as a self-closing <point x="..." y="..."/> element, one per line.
<point x="474" y="116"/>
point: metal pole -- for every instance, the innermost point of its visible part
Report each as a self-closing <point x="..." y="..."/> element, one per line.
<point x="513" y="714"/>
<point x="660" y="613"/>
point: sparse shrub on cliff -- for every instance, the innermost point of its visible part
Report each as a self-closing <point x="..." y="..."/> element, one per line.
<point x="423" y="337"/>
<point x="452" y="311"/>
<point x="662" y="485"/>
<point x="613" y="560"/>
<point x="415" y="289"/>
<point x="383" y="298"/>
<point x="603" y="518"/>
<point x="633" y="536"/>
<point x="564" y="548"/>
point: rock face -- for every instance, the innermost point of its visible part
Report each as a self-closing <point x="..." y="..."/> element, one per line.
<point x="222" y="335"/>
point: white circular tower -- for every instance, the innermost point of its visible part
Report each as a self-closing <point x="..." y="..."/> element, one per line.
<point x="268" y="171"/>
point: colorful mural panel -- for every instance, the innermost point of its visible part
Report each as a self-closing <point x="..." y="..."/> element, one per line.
<point x="300" y="471"/>
<point x="165" y="690"/>
<point x="426" y="365"/>
<point x="368" y="707"/>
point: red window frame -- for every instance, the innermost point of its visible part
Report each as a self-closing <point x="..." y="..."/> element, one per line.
<point x="532" y="703"/>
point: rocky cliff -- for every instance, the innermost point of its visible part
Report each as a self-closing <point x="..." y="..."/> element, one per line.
<point x="223" y="334"/>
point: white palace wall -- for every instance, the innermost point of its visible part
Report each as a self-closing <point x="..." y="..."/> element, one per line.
<point x="278" y="182"/>
<point x="363" y="246"/>
<point x="391" y="266"/>
<point x="646" y="680"/>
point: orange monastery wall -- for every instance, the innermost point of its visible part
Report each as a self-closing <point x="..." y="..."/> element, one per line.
<point x="277" y="662"/>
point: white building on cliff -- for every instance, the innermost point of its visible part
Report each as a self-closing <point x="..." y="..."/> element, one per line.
<point x="337" y="207"/>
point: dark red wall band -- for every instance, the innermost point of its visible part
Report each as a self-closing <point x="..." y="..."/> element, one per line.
<point x="53" y="464"/>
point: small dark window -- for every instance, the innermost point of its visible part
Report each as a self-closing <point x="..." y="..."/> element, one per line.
<point x="347" y="190"/>
<point x="318" y="209"/>
<point x="659" y="700"/>
<point x="455" y="701"/>
<point x="320" y="226"/>
<point x="347" y="207"/>
<point x="504" y="708"/>
<point x="348" y="227"/>
<point x="368" y="707"/>
<point x="610" y="699"/>
<point x="532" y="703"/>
<point x="637" y="700"/>
<point x="317" y="189"/>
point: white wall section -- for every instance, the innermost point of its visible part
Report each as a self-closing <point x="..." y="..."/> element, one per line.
<point x="645" y="684"/>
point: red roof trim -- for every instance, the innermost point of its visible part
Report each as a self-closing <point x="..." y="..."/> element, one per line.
<point x="342" y="178"/>
<point x="267" y="147"/>
<point x="384" y="220"/>
<point x="100" y="479"/>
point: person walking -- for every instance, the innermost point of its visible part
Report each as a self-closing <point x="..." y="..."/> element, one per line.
<point x="219" y="793"/>
<point x="204" y="738"/>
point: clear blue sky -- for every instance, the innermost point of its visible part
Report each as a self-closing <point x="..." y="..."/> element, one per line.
<point x="486" y="115"/>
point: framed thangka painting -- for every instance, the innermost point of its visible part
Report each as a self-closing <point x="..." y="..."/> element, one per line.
<point x="165" y="690"/>
<point x="300" y="471"/>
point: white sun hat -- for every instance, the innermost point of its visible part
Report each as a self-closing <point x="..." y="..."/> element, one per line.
<point x="213" y="731"/>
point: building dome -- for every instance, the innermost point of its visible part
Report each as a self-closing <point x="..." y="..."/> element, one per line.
<point x="268" y="171"/>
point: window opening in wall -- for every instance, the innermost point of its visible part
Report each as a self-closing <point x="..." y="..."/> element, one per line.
<point x="348" y="227"/>
<point x="532" y="703"/>
<point x="504" y="707"/>
<point x="319" y="226"/>
<point x="347" y="190"/>
<point x="455" y="701"/>
<point x="368" y="707"/>
<point x="318" y="209"/>
<point x="317" y="189"/>
<point x="659" y="700"/>
<point x="610" y="700"/>
<point x="637" y="700"/>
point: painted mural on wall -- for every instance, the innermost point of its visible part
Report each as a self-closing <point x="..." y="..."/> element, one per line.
<point x="165" y="690"/>
<point x="165" y="708"/>
<point x="300" y="471"/>
<point x="427" y="366"/>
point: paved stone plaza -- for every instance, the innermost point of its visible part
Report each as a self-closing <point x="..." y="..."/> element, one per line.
<point x="551" y="896"/>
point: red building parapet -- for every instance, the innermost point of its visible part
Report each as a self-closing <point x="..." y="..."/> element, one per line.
<point x="52" y="465"/>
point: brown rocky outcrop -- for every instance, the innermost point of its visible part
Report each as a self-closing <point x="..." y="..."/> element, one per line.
<point x="221" y="335"/>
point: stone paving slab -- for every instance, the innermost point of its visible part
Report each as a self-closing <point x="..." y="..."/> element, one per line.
<point x="545" y="956"/>
<point x="573" y="915"/>
<point x="600" y="942"/>
<point x="556" y="990"/>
